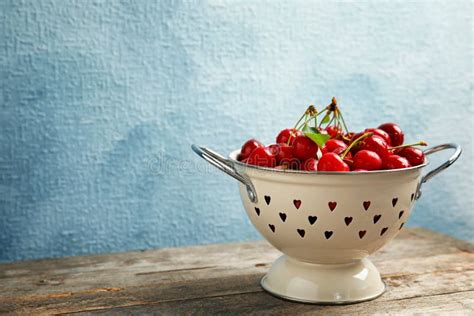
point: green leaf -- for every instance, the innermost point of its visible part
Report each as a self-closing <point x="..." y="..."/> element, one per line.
<point x="315" y="135"/>
<point x="309" y="129"/>
<point x="325" y="119"/>
<point x="319" y="139"/>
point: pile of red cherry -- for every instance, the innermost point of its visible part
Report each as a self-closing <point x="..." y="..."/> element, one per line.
<point x="310" y="146"/>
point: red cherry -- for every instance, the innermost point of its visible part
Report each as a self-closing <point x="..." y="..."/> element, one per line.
<point x="333" y="131"/>
<point x="333" y="144"/>
<point x="347" y="159"/>
<point x="395" y="132"/>
<point x="340" y="150"/>
<point x="285" y="157"/>
<point x="381" y="133"/>
<point x="395" y="162"/>
<point x="275" y="149"/>
<point x="376" y="144"/>
<point x="310" y="164"/>
<point x="286" y="134"/>
<point x="249" y="147"/>
<point x="414" y="155"/>
<point x="367" y="159"/>
<point x="323" y="131"/>
<point x="262" y="156"/>
<point x="332" y="162"/>
<point x="304" y="148"/>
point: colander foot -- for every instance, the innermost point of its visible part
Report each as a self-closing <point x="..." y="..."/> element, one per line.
<point x="323" y="283"/>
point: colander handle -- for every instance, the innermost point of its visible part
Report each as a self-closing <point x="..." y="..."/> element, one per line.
<point x="228" y="167"/>
<point x="445" y="165"/>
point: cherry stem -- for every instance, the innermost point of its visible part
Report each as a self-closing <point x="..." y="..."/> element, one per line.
<point x="355" y="142"/>
<point x="291" y="134"/>
<point x="302" y="116"/>
<point x="331" y="108"/>
<point x="306" y="120"/>
<point x="344" y="122"/>
<point x="310" y="113"/>
<point x="420" y="143"/>
<point x="319" y="113"/>
<point x="321" y="123"/>
<point x="345" y="138"/>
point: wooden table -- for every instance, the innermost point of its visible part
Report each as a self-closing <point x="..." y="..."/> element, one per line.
<point x="425" y="272"/>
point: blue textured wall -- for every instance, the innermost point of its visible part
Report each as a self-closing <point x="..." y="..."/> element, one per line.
<point x="100" y="101"/>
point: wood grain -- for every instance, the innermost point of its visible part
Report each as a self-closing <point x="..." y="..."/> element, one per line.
<point x="419" y="267"/>
<point x="262" y="304"/>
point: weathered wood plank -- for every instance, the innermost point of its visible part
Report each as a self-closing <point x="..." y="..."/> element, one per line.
<point x="421" y="241"/>
<point x="200" y="273"/>
<point x="169" y="265"/>
<point x="459" y="303"/>
<point x="85" y="281"/>
<point x="400" y="287"/>
<point x="432" y="275"/>
<point x="163" y="259"/>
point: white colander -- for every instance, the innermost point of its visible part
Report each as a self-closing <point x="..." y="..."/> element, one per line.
<point x="326" y="223"/>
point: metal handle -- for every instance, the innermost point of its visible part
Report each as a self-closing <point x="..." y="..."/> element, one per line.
<point x="228" y="167"/>
<point x="443" y="166"/>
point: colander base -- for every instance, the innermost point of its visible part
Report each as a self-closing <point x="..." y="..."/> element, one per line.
<point x="323" y="283"/>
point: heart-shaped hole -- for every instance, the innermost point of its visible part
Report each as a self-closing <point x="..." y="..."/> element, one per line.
<point x="257" y="210"/>
<point x="400" y="214"/>
<point x="297" y="203"/>
<point x="412" y="196"/>
<point x="394" y="201"/>
<point x="383" y="231"/>
<point x="328" y="234"/>
<point x="312" y="219"/>
<point x="362" y="233"/>
<point x="366" y="205"/>
<point x="272" y="227"/>
<point x="377" y="218"/>
<point x="301" y="232"/>
<point x="348" y="220"/>
<point x="283" y="216"/>
<point x="332" y="205"/>
<point x="268" y="199"/>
